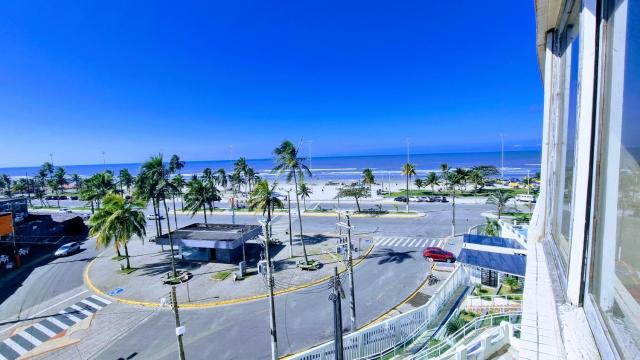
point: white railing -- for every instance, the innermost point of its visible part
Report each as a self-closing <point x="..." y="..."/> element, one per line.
<point x="509" y="231"/>
<point x="485" y="346"/>
<point x="501" y="303"/>
<point x="390" y="334"/>
<point x="445" y="345"/>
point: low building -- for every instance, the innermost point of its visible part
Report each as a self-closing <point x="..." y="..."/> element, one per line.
<point x="211" y="242"/>
<point x="18" y="206"/>
<point x="490" y="258"/>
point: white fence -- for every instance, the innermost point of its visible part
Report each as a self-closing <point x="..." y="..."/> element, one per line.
<point x="397" y="331"/>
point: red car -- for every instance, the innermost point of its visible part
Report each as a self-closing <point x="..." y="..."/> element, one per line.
<point x="437" y="254"/>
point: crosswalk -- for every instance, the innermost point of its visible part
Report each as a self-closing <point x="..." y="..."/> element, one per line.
<point x="36" y="334"/>
<point x="409" y="242"/>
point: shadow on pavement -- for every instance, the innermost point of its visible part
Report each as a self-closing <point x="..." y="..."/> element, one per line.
<point x="386" y="255"/>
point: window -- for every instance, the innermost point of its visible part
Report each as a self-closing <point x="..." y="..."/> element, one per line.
<point x="570" y="43"/>
<point x="615" y="272"/>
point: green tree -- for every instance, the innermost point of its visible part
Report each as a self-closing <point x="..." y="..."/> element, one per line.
<point x="175" y="164"/>
<point x="263" y="197"/>
<point x="419" y="183"/>
<point x="125" y="180"/>
<point x="491" y="228"/>
<point x="444" y="170"/>
<point x="221" y="178"/>
<point x="500" y="199"/>
<point x="97" y="187"/>
<point x="368" y="178"/>
<point x="287" y="160"/>
<point x="478" y="180"/>
<point x="512" y="282"/>
<point x="200" y="196"/>
<point x="455" y="324"/>
<point x="118" y="221"/>
<point x="431" y="180"/>
<point x="408" y="170"/>
<point x="179" y="183"/>
<point x="356" y="191"/>
<point x="304" y="191"/>
<point x="76" y="179"/>
<point x="59" y="180"/>
<point x="5" y="185"/>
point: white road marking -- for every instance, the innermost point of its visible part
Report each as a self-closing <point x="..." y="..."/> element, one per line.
<point x="58" y="323"/>
<point x="70" y="316"/>
<point x="383" y="241"/>
<point x="14" y="345"/>
<point x="44" y="329"/>
<point x="100" y="299"/>
<point x="30" y="338"/>
<point x="78" y="308"/>
<point x="89" y="303"/>
<point x="414" y="241"/>
<point x="47" y="309"/>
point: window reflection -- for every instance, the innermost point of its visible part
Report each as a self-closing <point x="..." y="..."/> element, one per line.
<point x="616" y="270"/>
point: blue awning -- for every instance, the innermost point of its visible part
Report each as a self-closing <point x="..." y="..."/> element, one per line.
<point x="492" y="241"/>
<point x="511" y="264"/>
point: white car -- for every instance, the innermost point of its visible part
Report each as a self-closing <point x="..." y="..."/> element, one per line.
<point x="67" y="249"/>
<point x="154" y="217"/>
<point x="414" y="199"/>
<point x="65" y="210"/>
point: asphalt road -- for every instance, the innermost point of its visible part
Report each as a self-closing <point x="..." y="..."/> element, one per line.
<point x="241" y="331"/>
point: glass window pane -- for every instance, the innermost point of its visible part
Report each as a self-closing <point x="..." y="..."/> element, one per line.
<point x="615" y="273"/>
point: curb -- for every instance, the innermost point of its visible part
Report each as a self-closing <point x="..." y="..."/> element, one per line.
<point x="95" y="289"/>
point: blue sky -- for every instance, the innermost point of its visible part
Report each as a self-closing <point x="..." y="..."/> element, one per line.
<point x="137" y="78"/>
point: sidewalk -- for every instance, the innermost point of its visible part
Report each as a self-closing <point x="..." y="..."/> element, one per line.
<point x="212" y="283"/>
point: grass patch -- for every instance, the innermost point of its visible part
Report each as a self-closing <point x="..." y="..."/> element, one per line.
<point x="127" y="271"/>
<point x="468" y="316"/>
<point x="221" y="275"/>
<point x="118" y="258"/>
<point x="511" y="294"/>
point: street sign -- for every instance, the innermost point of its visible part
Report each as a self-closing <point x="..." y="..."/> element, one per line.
<point x="180" y="330"/>
<point x="115" y="291"/>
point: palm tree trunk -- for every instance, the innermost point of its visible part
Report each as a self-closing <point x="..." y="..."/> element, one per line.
<point x="117" y="249"/>
<point x="304" y="248"/>
<point x="175" y="217"/>
<point x="126" y="254"/>
<point x="357" y="203"/>
<point x="304" y="200"/>
<point x="407" y="193"/>
<point x="204" y="211"/>
<point x="173" y="260"/>
<point x="92" y="209"/>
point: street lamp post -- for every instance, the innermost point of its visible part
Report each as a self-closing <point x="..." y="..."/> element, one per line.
<point x="290" y="226"/>
<point x="272" y="308"/>
<point x="352" y="296"/>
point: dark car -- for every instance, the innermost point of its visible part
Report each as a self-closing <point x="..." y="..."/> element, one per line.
<point x="73" y="197"/>
<point x="442" y="199"/>
<point x="400" y="199"/>
<point x="437" y="254"/>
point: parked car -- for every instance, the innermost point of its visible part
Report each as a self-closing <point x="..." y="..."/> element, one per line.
<point x="414" y="199"/>
<point x="400" y="199"/>
<point x="85" y="216"/>
<point x="155" y="217"/>
<point x="442" y="199"/>
<point x="67" y="249"/>
<point x="73" y="197"/>
<point x="63" y="197"/>
<point x="526" y="198"/>
<point x="437" y="254"/>
<point x="425" y="199"/>
<point x="65" y="210"/>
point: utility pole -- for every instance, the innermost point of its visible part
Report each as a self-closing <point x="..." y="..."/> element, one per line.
<point x="290" y="226"/>
<point x="179" y="329"/>
<point x="272" y="307"/>
<point x="337" y="315"/>
<point x="453" y="212"/>
<point x="352" y="296"/>
<point x="104" y="162"/>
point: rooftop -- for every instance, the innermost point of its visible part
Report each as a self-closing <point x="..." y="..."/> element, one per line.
<point x="211" y="232"/>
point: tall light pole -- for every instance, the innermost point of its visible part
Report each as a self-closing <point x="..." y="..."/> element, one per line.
<point x="104" y="162"/>
<point x="290" y="226"/>
<point x="179" y="329"/>
<point x="501" y="157"/>
<point x="335" y="297"/>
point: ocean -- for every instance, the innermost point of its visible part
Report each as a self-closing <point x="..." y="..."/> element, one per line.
<point x="516" y="164"/>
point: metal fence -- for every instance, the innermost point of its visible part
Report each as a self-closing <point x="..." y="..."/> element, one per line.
<point x="385" y="336"/>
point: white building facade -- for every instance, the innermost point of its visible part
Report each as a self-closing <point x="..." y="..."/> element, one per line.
<point x="582" y="290"/>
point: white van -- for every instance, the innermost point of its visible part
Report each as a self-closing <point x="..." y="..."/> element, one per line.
<point x="526" y="198"/>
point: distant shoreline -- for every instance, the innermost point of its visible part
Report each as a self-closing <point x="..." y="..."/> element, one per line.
<point x="516" y="163"/>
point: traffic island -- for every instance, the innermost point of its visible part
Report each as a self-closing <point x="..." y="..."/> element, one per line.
<point x="209" y="283"/>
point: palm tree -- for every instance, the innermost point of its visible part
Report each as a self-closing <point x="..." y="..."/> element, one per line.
<point x="221" y="178"/>
<point x="368" y="178"/>
<point x="240" y="167"/>
<point x="408" y="170"/>
<point x="453" y="179"/>
<point x="287" y="160"/>
<point x="463" y="175"/>
<point x="125" y="179"/>
<point x="304" y="191"/>
<point x="200" y="196"/>
<point x="77" y="181"/>
<point x="419" y="183"/>
<point x="179" y="182"/>
<point x="263" y="197"/>
<point x="477" y="179"/>
<point x="250" y="174"/>
<point x="118" y="221"/>
<point x="500" y="199"/>
<point x="444" y="169"/>
<point x="59" y="181"/>
<point x="431" y="180"/>
<point x="491" y="228"/>
<point x="175" y="164"/>
<point x="357" y="191"/>
<point x="5" y="183"/>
